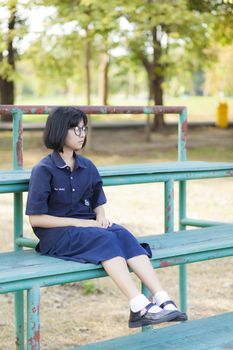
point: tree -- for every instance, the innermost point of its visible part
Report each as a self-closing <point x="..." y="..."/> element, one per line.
<point x="219" y="75"/>
<point x="220" y="18"/>
<point x="166" y="34"/>
<point x="103" y="78"/>
<point x="7" y="59"/>
<point x="12" y="27"/>
<point x="91" y="23"/>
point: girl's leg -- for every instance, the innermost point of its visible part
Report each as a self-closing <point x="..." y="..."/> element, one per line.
<point x="140" y="263"/>
<point x="142" y="311"/>
<point x="117" y="269"/>
<point x="144" y="270"/>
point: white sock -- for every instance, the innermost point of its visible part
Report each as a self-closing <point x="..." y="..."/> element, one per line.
<point x="139" y="302"/>
<point x="161" y="297"/>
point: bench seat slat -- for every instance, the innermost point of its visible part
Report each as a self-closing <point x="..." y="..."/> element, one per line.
<point x="168" y="249"/>
<point x="213" y="333"/>
<point x="191" y="241"/>
<point x="166" y="167"/>
<point x="22" y="176"/>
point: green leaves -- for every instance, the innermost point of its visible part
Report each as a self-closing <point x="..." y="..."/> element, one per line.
<point x="164" y="39"/>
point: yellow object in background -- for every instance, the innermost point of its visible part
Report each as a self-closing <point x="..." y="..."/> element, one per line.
<point x="222" y="115"/>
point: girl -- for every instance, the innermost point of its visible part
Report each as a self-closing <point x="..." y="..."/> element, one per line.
<point x="65" y="208"/>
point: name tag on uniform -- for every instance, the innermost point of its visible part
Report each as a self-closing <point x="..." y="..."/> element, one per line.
<point x="59" y="189"/>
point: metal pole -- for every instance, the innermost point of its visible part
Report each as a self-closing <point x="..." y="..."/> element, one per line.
<point x="18" y="222"/>
<point x="182" y="136"/>
<point x="19" y="299"/>
<point x="183" y="268"/>
<point x="6" y="109"/>
<point x="19" y="320"/>
<point x="33" y="318"/>
<point x="169" y="206"/>
<point x="17" y="139"/>
<point x="182" y="156"/>
<point x="146" y="292"/>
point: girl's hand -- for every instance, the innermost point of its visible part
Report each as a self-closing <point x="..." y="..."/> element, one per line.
<point x="88" y="223"/>
<point x="105" y="223"/>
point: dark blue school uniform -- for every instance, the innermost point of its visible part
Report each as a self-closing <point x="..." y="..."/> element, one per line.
<point x="56" y="190"/>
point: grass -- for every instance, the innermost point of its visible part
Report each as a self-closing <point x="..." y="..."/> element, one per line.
<point x="200" y="108"/>
<point x="213" y="154"/>
<point x="114" y="150"/>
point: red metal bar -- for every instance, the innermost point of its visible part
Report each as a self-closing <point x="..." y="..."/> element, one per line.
<point x="6" y="109"/>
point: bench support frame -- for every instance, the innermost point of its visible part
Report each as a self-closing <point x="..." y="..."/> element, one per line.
<point x="33" y="318"/>
<point x="33" y="294"/>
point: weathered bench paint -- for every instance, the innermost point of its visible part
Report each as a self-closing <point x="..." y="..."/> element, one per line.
<point x="211" y="333"/>
<point x="23" y="269"/>
<point x="125" y="174"/>
<point x="120" y="175"/>
<point x="17" y="181"/>
<point x="28" y="270"/>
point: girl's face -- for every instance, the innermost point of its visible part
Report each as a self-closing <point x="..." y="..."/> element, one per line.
<point x="75" y="137"/>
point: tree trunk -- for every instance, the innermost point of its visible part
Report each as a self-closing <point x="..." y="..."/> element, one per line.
<point x="157" y="77"/>
<point x="155" y="72"/>
<point x="157" y="94"/>
<point x="87" y="58"/>
<point x="103" y="79"/>
<point x="87" y="70"/>
<point x="7" y="94"/>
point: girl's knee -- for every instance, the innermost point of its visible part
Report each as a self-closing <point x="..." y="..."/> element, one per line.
<point x="124" y="235"/>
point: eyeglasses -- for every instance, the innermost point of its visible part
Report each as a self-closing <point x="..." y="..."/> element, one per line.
<point x="79" y="129"/>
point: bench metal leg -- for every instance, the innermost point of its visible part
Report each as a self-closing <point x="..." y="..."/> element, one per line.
<point x="169" y="206"/>
<point x="146" y="292"/>
<point x="19" y="302"/>
<point x="182" y="269"/>
<point x="183" y="287"/>
<point x="33" y="318"/>
<point x="19" y="320"/>
<point x="169" y="227"/>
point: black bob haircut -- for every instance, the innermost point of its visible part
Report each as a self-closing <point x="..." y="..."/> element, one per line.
<point x="59" y="121"/>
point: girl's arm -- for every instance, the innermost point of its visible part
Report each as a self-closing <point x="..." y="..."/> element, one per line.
<point x="49" y="221"/>
<point x="100" y="217"/>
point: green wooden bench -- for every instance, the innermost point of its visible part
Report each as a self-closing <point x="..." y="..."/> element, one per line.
<point x="211" y="333"/>
<point x="28" y="270"/>
<point x="24" y="269"/>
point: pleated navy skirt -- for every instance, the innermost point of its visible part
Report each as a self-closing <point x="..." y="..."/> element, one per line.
<point x="94" y="244"/>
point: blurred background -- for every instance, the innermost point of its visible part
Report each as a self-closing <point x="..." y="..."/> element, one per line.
<point x="125" y="52"/>
<point x="122" y="52"/>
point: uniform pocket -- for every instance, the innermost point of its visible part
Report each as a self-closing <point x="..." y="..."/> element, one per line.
<point x="87" y="198"/>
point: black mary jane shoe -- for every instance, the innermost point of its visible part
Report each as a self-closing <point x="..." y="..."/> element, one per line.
<point x="181" y="316"/>
<point x="137" y="319"/>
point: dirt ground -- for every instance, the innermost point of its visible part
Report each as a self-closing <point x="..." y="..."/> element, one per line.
<point x="78" y="313"/>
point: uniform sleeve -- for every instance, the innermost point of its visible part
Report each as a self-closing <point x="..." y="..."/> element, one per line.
<point x="39" y="191"/>
<point x="99" y="197"/>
